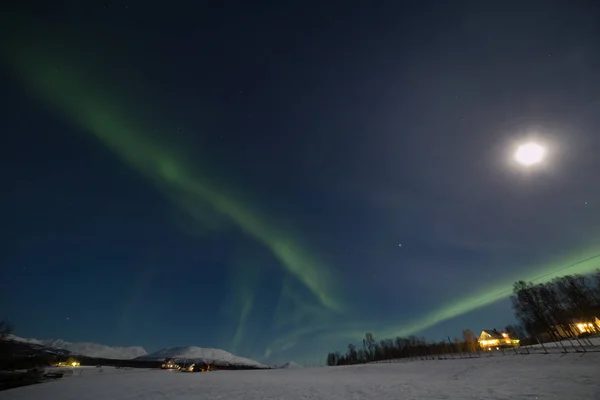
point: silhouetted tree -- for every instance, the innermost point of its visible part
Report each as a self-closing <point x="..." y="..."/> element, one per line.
<point x="369" y="346"/>
<point x="515" y="331"/>
<point x="352" y="355"/>
<point x="470" y="340"/>
<point x="545" y="307"/>
<point x="5" y="329"/>
<point x="332" y="359"/>
<point x="459" y="345"/>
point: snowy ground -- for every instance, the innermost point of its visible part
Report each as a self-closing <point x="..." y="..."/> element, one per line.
<point x="535" y="376"/>
<point x="567" y="345"/>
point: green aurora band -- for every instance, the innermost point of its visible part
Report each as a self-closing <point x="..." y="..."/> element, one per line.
<point x="89" y="105"/>
<point x="580" y="262"/>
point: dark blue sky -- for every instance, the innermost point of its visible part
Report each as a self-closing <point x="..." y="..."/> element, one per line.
<point x="242" y="175"/>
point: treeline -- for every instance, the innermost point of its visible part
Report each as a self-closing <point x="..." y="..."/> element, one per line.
<point x="541" y="310"/>
<point x="403" y="347"/>
<point x="553" y="309"/>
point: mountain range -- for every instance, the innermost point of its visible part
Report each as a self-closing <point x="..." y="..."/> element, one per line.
<point x="95" y="350"/>
<point x="200" y="354"/>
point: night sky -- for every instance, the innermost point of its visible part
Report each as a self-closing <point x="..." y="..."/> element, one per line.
<point x="278" y="178"/>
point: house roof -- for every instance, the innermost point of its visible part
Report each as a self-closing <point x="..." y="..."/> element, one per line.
<point x="496" y="334"/>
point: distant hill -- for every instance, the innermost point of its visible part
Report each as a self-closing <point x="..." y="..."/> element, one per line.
<point x="201" y="354"/>
<point x="93" y="350"/>
<point x="20" y="348"/>
<point x="27" y="347"/>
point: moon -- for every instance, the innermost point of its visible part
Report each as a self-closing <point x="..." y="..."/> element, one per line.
<point x="529" y="154"/>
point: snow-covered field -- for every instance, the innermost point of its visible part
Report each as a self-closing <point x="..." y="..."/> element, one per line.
<point x="552" y="376"/>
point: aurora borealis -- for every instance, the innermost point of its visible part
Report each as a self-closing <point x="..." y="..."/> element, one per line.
<point x="245" y="175"/>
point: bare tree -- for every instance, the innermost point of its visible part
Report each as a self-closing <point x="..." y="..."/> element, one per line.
<point x="459" y="345"/>
<point x="470" y="340"/>
<point x="515" y="331"/>
<point x="5" y="329"/>
<point x="370" y="345"/>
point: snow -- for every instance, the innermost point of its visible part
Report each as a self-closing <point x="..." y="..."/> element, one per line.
<point x="200" y="354"/>
<point x="568" y="345"/>
<point x="552" y="376"/>
<point x="98" y="350"/>
<point x="24" y="340"/>
<point x="86" y="349"/>
<point x="291" y="364"/>
<point x="126" y="353"/>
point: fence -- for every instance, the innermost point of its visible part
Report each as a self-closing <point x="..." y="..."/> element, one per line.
<point x="575" y="345"/>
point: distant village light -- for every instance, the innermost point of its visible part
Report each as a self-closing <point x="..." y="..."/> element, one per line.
<point x="491" y="338"/>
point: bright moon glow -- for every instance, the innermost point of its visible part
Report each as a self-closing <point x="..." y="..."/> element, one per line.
<point x="529" y="154"/>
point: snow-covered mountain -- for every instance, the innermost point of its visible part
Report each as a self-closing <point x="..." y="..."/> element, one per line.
<point x="86" y="349"/>
<point x="31" y="347"/>
<point x="291" y="364"/>
<point x="24" y="340"/>
<point x="97" y="350"/>
<point x="127" y="353"/>
<point x="200" y="354"/>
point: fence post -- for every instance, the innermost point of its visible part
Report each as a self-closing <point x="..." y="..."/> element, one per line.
<point x="584" y="350"/>
<point x="543" y="347"/>
<point x="563" y="346"/>
<point x="451" y="349"/>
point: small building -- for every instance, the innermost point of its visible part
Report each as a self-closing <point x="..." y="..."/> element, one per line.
<point x="578" y="328"/>
<point x="197" y="367"/>
<point x="491" y="339"/>
<point x="169" y="364"/>
<point x="71" y="362"/>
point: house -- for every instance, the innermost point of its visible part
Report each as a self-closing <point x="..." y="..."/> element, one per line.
<point x="71" y="362"/>
<point x="169" y="364"/>
<point x="494" y="339"/>
<point x="578" y="328"/>
<point x="197" y="367"/>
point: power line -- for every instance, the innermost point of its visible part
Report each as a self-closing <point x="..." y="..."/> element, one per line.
<point x="568" y="266"/>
